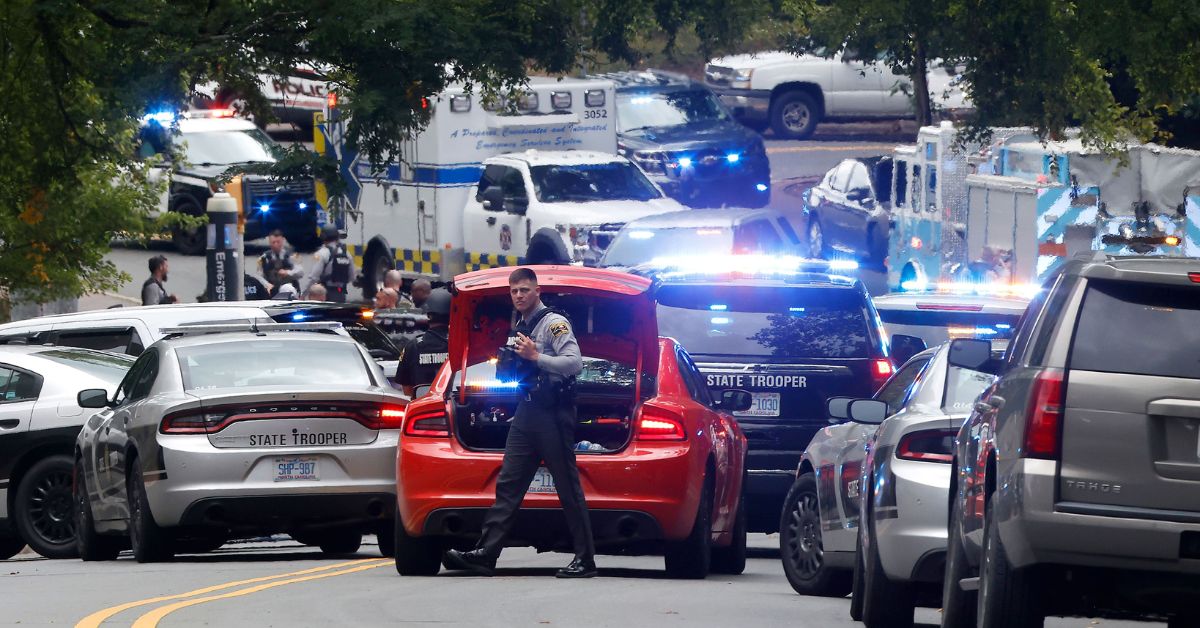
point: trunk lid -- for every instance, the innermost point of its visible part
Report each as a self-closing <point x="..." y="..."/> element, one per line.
<point x="279" y="417"/>
<point x="1131" y="417"/>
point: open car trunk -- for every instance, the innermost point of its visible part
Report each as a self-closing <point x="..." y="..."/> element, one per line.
<point x="613" y="318"/>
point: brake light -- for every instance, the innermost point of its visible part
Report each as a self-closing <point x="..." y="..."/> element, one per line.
<point x="881" y="370"/>
<point x="1195" y="277"/>
<point x="390" y="418"/>
<point x="1043" y="419"/>
<point x="927" y="446"/>
<point x="194" y="421"/>
<point x="659" y="424"/>
<point x="429" y="421"/>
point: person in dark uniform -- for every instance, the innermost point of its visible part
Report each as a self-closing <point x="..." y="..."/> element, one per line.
<point x="425" y="354"/>
<point x="276" y="264"/>
<point x="542" y="430"/>
<point x="334" y="268"/>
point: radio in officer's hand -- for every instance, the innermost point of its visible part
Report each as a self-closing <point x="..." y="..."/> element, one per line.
<point x="511" y="367"/>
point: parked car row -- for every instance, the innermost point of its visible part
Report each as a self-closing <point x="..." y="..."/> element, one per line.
<point x="1004" y="483"/>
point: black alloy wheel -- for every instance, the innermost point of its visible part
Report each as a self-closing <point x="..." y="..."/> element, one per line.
<point x="801" y="546"/>
<point x="44" y="507"/>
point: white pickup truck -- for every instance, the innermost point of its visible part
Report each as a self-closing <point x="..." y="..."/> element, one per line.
<point x="793" y="93"/>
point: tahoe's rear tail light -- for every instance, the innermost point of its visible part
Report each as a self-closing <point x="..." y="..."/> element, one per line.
<point x="927" y="446"/>
<point x="1043" y="418"/>
<point x="429" y="421"/>
<point x="881" y="370"/>
<point x="660" y="424"/>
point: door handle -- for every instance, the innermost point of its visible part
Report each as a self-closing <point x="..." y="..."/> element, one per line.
<point x="8" y="424"/>
<point x="491" y="221"/>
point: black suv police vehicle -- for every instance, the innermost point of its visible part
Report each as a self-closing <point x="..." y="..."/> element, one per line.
<point x="684" y="139"/>
<point x="793" y="340"/>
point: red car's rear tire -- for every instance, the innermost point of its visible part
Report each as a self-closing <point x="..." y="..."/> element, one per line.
<point x="691" y="558"/>
<point x="415" y="555"/>
<point x="732" y="559"/>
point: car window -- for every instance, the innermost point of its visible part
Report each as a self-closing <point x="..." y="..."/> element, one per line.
<point x="859" y="177"/>
<point x="491" y="176"/>
<point x="582" y="183"/>
<point x="779" y="322"/>
<point x="841" y="176"/>
<point x="896" y="388"/>
<point x="963" y="387"/>
<point x="295" y="362"/>
<point x="757" y="236"/>
<point x="1056" y="301"/>
<point x="693" y="379"/>
<point x="786" y="228"/>
<point x="122" y="395"/>
<point x="141" y="385"/>
<point x="114" y="340"/>
<point x="1024" y="330"/>
<point x="901" y="171"/>
<point x="106" y="366"/>
<point x="1159" y="330"/>
<point x="18" y="385"/>
<point x="513" y="185"/>
<point x="882" y="180"/>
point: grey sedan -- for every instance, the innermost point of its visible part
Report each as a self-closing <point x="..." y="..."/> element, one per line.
<point x="240" y="433"/>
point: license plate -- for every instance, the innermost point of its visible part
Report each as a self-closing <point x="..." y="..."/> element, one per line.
<point x="543" y="483"/>
<point x="295" y="468"/>
<point x="762" y="404"/>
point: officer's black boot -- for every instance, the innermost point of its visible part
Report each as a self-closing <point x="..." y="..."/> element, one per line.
<point x="476" y="561"/>
<point x="579" y="568"/>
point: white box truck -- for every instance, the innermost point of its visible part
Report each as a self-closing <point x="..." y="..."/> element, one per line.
<point x="485" y="186"/>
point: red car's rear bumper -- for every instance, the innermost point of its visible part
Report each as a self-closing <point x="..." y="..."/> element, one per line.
<point x="648" y="492"/>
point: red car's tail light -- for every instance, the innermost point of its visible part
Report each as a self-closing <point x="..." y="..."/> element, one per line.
<point x="429" y="421"/>
<point x="1043" y="418"/>
<point x="1195" y="277"/>
<point x="659" y="424"/>
<point x="927" y="446"/>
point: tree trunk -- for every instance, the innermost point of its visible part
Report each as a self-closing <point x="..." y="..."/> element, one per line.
<point x="920" y="83"/>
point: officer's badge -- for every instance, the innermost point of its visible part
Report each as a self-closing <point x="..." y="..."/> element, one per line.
<point x="559" y="328"/>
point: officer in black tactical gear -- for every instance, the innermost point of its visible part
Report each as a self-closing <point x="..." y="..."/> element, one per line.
<point x="542" y="430"/>
<point x="424" y="355"/>
<point x="276" y="264"/>
<point x="334" y="268"/>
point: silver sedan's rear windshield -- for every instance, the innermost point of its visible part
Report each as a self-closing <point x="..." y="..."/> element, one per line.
<point x="295" y="362"/>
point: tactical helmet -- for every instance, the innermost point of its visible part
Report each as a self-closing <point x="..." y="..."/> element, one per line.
<point x="438" y="302"/>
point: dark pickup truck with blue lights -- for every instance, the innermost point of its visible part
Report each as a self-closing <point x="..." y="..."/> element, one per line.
<point x="684" y="139"/>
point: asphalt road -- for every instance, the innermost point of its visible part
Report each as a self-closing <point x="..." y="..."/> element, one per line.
<point x="794" y="167"/>
<point x="284" y="584"/>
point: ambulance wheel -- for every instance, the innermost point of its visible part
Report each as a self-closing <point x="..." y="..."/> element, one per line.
<point x="188" y="241"/>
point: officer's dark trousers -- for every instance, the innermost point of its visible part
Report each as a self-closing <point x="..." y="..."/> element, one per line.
<point x="523" y="451"/>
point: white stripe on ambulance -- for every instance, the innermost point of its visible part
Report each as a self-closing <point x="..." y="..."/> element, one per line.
<point x="758" y="381"/>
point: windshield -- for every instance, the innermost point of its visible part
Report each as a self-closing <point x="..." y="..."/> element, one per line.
<point x="637" y="246"/>
<point x="613" y="181"/>
<point x="937" y="327"/>
<point x="109" y="367"/>
<point x="223" y="148"/>
<point x="296" y="362"/>
<point x="371" y="337"/>
<point x="782" y="322"/>
<point x="649" y="110"/>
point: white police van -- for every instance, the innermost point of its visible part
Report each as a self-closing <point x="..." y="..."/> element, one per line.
<point x="487" y="186"/>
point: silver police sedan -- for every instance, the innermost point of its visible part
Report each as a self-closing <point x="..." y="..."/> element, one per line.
<point x="224" y="431"/>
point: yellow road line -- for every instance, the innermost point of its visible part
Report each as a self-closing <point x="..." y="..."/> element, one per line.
<point x="830" y="148"/>
<point x="95" y="619"/>
<point x="151" y="619"/>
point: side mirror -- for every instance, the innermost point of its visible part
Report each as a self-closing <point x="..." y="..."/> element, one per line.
<point x="970" y="353"/>
<point x="838" y="408"/>
<point x="868" y="411"/>
<point x="421" y="391"/>
<point x="905" y="347"/>
<point x="736" y="400"/>
<point x="94" y="398"/>
<point x="493" y="199"/>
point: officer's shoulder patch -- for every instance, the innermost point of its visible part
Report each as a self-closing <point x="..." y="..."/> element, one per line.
<point x="558" y="328"/>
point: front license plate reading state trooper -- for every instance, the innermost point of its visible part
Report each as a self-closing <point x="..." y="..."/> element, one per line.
<point x="762" y="404"/>
<point x="543" y="483"/>
<point x="296" y="468"/>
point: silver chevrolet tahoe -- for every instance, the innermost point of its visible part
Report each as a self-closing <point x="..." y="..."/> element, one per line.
<point x="1076" y="483"/>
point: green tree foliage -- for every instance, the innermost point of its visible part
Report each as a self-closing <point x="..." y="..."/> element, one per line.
<point x="78" y="74"/>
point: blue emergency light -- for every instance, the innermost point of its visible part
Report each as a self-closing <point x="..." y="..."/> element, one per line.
<point x="761" y="187"/>
<point x="303" y="205"/>
<point x="732" y="158"/>
<point x="264" y="208"/>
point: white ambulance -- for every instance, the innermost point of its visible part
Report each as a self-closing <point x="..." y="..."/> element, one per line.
<point x="483" y="186"/>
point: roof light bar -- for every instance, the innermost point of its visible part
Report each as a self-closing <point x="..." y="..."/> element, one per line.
<point x="1025" y="291"/>
<point x="746" y="265"/>
<point x="253" y="327"/>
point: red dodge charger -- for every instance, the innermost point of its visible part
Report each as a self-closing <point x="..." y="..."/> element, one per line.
<point x="661" y="461"/>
